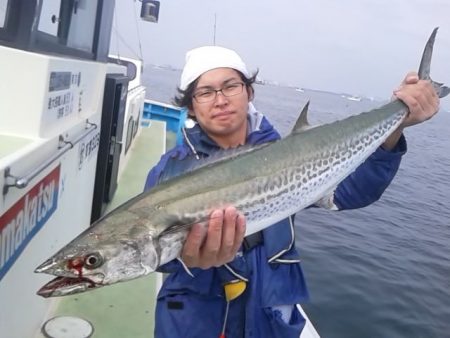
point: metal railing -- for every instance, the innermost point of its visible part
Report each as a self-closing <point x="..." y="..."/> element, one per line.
<point x="12" y="181"/>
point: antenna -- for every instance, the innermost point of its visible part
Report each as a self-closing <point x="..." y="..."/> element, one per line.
<point x="215" y="23"/>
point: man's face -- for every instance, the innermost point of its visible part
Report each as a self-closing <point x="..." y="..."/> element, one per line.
<point x="222" y="117"/>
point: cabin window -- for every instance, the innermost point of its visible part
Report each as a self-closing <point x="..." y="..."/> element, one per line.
<point x="82" y="28"/>
<point x="69" y="22"/>
<point x="50" y="17"/>
<point x="3" y="12"/>
<point x="74" y="28"/>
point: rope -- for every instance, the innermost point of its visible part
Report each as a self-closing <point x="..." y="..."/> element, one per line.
<point x="126" y="44"/>
<point x="118" y="36"/>
<point x="115" y="26"/>
<point x="138" y="33"/>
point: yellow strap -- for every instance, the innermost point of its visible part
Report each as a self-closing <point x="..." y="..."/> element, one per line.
<point x="234" y="290"/>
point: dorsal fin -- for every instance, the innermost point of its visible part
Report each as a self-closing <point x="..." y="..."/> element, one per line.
<point x="302" y="123"/>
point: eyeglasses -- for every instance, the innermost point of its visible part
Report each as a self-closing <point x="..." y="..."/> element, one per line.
<point x="208" y="95"/>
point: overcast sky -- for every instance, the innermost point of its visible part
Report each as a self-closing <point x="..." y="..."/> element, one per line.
<point x="363" y="47"/>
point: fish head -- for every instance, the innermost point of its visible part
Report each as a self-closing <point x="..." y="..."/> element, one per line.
<point x="95" y="259"/>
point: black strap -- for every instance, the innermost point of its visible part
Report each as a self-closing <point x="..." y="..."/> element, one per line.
<point x="252" y="240"/>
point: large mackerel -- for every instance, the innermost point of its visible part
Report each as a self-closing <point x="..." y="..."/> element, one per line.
<point x="265" y="183"/>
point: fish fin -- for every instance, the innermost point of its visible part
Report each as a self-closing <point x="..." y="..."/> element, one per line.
<point x="177" y="226"/>
<point x="425" y="62"/>
<point x="327" y="202"/>
<point x="181" y="225"/>
<point x="302" y="123"/>
<point x="441" y="90"/>
<point x="425" y="65"/>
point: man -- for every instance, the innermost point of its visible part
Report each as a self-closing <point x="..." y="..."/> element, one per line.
<point x="217" y="89"/>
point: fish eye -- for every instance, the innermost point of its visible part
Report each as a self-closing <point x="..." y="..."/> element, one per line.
<point x="93" y="260"/>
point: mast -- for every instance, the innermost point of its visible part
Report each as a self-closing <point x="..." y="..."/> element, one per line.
<point x="215" y="24"/>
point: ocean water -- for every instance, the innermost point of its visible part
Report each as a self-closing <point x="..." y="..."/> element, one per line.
<point x="384" y="270"/>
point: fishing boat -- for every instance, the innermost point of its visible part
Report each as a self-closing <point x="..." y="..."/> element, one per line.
<point x="77" y="138"/>
<point x="354" y="98"/>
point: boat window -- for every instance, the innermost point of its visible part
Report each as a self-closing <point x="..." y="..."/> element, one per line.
<point x="50" y="17"/>
<point x="75" y="28"/>
<point x="70" y="22"/>
<point x="82" y="28"/>
<point x="3" y="11"/>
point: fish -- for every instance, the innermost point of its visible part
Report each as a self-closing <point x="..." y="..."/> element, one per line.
<point x="266" y="184"/>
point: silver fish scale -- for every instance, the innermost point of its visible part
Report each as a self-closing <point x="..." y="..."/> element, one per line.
<point x="235" y="181"/>
<point x="298" y="187"/>
<point x="293" y="183"/>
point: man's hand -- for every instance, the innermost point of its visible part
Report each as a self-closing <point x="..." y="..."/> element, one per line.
<point x="216" y="244"/>
<point x="420" y="97"/>
<point x="422" y="102"/>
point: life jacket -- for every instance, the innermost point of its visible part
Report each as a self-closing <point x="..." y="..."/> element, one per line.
<point x="191" y="302"/>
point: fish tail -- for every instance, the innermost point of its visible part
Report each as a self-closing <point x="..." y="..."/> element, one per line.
<point x="425" y="64"/>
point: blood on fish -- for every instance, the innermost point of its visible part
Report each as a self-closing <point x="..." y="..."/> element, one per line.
<point x="76" y="264"/>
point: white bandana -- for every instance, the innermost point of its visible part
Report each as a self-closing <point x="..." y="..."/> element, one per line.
<point x="203" y="59"/>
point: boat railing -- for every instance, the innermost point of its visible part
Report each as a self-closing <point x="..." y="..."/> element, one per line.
<point x="174" y="117"/>
<point x="64" y="146"/>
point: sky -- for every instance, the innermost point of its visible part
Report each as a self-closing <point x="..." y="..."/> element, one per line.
<point x="360" y="47"/>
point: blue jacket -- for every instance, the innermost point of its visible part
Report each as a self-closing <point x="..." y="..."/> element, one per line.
<point x="192" y="303"/>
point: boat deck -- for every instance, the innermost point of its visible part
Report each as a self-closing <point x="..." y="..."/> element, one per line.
<point x="124" y="309"/>
<point x="10" y="144"/>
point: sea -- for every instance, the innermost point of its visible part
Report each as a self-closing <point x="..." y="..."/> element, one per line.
<point x="382" y="271"/>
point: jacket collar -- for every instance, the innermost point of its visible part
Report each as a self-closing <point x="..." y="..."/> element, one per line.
<point x="259" y="131"/>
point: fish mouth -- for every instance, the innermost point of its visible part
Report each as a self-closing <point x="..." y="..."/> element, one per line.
<point x="50" y="266"/>
<point x="64" y="286"/>
<point x="55" y="268"/>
